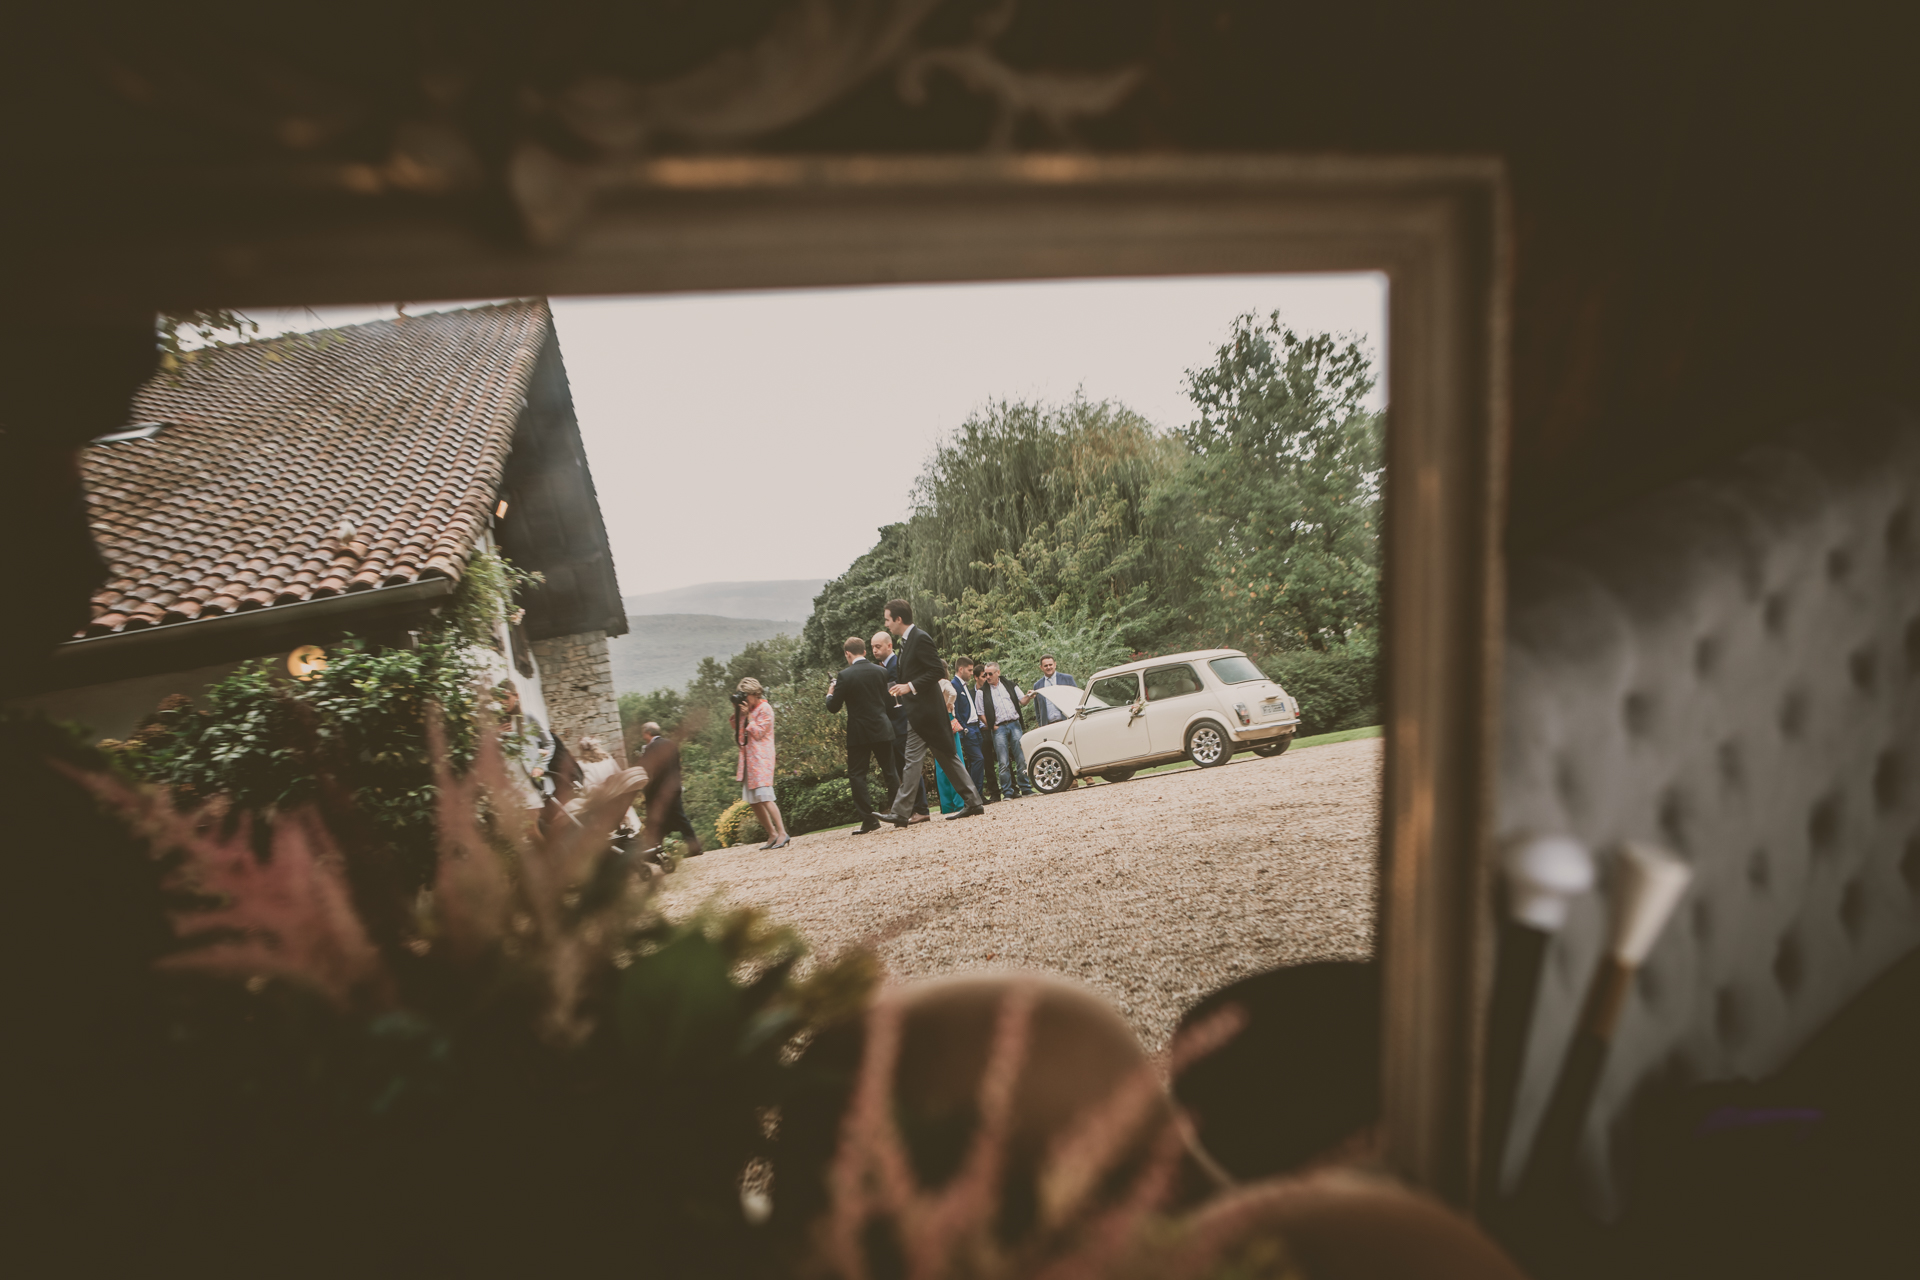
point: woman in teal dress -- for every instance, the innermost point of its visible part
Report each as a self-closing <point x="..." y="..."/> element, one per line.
<point x="951" y="801"/>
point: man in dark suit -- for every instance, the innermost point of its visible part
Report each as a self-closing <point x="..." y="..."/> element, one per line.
<point x="1047" y="712"/>
<point x="660" y="757"/>
<point x="862" y="689"/>
<point x="967" y="711"/>
<point x="890" y="663"/>
<point x="920" y="684"/>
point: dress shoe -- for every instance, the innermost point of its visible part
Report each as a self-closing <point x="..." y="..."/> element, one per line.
<point x="892" y="821"/>
<point x="918" y="817"/>
<point x="971" y="811"/>
<point x="866" y="827"/>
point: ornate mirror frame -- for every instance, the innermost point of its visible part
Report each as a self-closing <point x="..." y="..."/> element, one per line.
<point x="1436" y="227"/>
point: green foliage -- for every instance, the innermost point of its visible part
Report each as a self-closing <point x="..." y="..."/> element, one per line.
<point x="664" y="707"/>
<point x="264" y="742"/>
<point x="772" y="662"/>
<point x="1081" y="644"/>
<point x="1014" y="470"/>
<point x="738" y="825"/>
<point x="1337" y="689"/>
<point x="850" y="605"/>
<point x="1278" y="507"/>
<point x="486" y="594"/>
<point x="812" y="741"/>
<point x="815" y="808"/>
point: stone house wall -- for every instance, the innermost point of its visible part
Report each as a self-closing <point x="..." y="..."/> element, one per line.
<point x="577" y="678"/>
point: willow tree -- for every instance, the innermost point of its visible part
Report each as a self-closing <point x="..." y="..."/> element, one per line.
<point x="1029" y="509"/>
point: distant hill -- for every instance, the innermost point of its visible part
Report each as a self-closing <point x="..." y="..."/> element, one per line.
<point x="786" y="598"/>
<point x="663" y="650"/>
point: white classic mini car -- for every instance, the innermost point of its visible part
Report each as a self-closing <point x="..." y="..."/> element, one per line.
<point x="1203" y="706"/>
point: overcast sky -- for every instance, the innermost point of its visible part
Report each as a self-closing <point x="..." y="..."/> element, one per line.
<point x="775" y="432"/>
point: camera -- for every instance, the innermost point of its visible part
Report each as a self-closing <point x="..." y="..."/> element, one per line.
<point x="738" y="698"/>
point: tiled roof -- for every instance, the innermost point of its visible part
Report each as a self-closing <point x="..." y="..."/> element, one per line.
<point x="304" y="467"/>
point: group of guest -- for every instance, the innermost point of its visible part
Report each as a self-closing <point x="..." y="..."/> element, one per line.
<point x="555" y="782"/>
<point x="903" y="704"/>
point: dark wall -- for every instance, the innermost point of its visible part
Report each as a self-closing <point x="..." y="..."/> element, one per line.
<point x="1715" y="204"/>
<point x="553" y="523"/>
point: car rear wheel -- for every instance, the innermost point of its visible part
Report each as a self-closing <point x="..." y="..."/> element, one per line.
<point x="1207" y="745"/>
<point x="1117" y="775"/>
<point x="1049" y="772"/>
<point x="1275" y="747"/>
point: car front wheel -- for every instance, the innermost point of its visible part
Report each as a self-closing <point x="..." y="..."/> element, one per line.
<point x="1049" y="772"/>
<point x="1207" y="745"/>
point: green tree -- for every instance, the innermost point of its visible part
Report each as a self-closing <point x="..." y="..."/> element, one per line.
<point x="664" y="707"/>
<point x="850" y="605"/>
<point x="1274" y="521"/>
<point x="1082" y="643"/>
<point x="1016" y="470"/>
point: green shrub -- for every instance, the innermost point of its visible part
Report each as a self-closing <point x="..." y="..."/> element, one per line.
<point x="1338" y="689"/>
<point x="737" y="825"/>
<point x="263" y="741"/>
<point x="829" y="804"/>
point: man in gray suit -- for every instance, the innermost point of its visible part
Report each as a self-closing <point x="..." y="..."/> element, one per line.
<point x="920" y="684"/>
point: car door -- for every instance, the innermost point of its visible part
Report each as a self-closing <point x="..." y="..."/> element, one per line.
<point x="1108" y="728"/>
<point x="1171" y="703"/>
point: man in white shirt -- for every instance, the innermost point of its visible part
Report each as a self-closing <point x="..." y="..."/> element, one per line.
<point x="1049" y="675"/>
<point x="1000" y="705"/>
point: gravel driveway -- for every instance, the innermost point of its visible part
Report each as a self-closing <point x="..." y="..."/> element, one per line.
<point x="1153" y="891"/>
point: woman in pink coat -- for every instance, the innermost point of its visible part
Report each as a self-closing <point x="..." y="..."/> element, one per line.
<point x="753" y="730"/>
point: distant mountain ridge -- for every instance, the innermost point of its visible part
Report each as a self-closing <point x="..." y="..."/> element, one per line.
<point x="782" y="598"/>
<point x="663" y="650"/>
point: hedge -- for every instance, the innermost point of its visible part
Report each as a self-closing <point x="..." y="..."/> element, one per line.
<point x="1338" y="689"/>
<point x="815" y="808"/>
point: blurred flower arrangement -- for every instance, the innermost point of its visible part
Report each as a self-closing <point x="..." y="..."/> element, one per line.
<point x="524" y="1068"/>
<point x="524" y="1065"/>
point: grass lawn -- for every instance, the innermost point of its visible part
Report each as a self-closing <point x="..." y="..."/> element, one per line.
<point x="1317" y="740"/>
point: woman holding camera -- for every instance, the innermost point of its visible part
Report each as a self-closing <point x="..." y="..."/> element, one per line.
<point x="753" y="731"/>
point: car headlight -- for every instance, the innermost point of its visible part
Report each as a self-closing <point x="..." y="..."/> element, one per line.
<point x="1240" y="709"/>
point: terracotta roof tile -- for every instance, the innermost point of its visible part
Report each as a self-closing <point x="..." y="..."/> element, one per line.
<point x="363" y="458"/>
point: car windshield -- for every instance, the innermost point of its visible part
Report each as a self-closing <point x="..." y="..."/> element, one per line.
<point x="1114" y="691"/>
<point x="1235" y="670"/>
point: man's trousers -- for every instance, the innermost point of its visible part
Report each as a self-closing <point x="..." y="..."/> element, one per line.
<point x="900" y="731"/>
<point x="1013" y="761"/>
<point x="858" y="757"/>
<point x="976" y="763"/>
<point x="943" y="753"/>
<point x="665" y="816"/>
